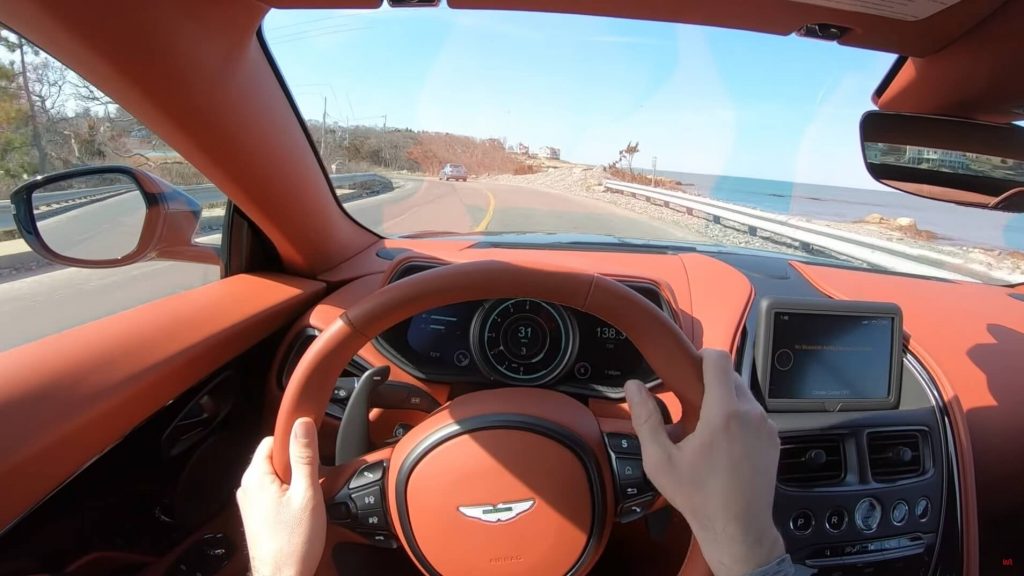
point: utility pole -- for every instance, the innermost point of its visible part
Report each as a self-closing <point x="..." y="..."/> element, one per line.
<point x="384" y="143"/>
<point x="323" y="129"/>
<point x="654" y="169"/>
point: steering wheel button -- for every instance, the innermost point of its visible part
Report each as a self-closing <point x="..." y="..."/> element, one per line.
<point x="624" y="444"/>
<point x="339" y="511"/>
<point x="382" y="540"/>
<point x="374" y="519"/>
<point x="633" y="510"/>
<point x="629" y="469"/>
<point x="372" y="472"/>
<point x="632" y="490"/>
<point x="802" y="522"/>
<point x="368" y="499"/>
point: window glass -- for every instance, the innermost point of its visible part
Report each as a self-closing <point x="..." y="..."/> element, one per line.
<point x="51" y="120"/>
<point x="542" y="127"/>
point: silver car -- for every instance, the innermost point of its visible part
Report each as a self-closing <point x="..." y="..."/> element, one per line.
<point x="453" y="172"/>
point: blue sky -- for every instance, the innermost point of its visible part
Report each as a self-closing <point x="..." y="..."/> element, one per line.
<point x="700" y="99"/>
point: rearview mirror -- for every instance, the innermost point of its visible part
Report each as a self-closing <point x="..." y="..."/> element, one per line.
<point x="108" y="216"/>
<point x="946" y="159"/>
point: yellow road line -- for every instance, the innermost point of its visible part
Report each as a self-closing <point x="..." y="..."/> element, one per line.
<point x="487" y="217"/>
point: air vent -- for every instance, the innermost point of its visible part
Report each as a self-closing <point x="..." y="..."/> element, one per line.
<point x="895" y="455"/>
<point x="811" y="461"/>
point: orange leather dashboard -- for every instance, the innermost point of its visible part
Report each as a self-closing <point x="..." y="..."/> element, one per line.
<point x="970" y="337"/>
<point x="696" y="286"/>
<point x="711" y="311"/>
<point x="65" y="399"/>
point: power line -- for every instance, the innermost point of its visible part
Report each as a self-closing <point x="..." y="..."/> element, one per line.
<point x="327" y="33"/>
<point x="312" y="32"/>
<point x="317" y="20"/>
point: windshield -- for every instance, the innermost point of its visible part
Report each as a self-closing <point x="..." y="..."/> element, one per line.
<point x="600" y="128"/>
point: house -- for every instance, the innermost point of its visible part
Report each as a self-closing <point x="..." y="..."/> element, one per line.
<point x="550" y="152"/>
<point x="936" y="159"/>
<point x="522" y="149"/>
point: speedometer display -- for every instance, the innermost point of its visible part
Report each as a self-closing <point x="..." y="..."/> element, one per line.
<point x="606" y="355"/>
<point x="524" y="341"/>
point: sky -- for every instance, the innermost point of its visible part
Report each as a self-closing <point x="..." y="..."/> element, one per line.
<point x="701" y="100"/>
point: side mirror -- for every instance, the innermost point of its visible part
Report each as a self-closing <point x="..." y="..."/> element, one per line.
<point x="946" y="159"/>
<point x="108" y="216"/>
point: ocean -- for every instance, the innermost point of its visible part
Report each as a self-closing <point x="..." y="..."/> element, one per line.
<point x="956" y="225"/>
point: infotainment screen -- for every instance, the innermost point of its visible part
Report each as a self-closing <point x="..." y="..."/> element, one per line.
<point x="830" y="355"/>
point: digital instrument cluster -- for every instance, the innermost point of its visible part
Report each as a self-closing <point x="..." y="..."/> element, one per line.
<point x="516" y="341"/>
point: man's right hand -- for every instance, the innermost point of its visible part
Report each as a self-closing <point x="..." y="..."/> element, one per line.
<point x="722" y="476"/>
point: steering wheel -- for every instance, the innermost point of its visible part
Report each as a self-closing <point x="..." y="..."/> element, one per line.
<point x="522" y="479"/>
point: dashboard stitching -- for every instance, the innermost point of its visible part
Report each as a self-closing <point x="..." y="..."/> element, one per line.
<point x="590" y="291"/>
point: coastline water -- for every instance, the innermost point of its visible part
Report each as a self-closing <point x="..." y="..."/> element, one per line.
<point x="955" y="225"/>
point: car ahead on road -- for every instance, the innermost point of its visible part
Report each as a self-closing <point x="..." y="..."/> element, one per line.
<point x="469" y="386"/>
<point x="453" y="172"/>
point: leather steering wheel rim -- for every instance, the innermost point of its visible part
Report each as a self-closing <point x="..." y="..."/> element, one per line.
<point x="662" y="343"/>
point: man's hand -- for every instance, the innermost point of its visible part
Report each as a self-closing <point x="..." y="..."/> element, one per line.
<point x="285" y="525"/>
<point x="722" y="476"/>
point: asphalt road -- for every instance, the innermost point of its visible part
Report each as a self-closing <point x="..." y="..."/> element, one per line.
<point x="99" y="231"/>
<point x="59" y="298"/>
<point x="463" y="207"/>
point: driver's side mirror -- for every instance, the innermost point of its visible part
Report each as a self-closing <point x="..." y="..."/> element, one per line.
<point x="108" y="216"/>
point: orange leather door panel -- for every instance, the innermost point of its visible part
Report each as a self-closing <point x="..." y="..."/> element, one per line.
<point x="67" y="398"/>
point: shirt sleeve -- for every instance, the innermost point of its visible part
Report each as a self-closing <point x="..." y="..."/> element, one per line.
<point x="782" y="566"/>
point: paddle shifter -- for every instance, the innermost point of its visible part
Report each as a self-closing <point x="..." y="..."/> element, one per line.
<point x="354" y="433"/>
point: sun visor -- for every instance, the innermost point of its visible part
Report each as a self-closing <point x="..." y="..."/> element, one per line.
<point x="908" y="10"/>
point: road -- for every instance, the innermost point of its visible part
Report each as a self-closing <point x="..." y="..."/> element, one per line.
<point x="463" y="207"/>
<point x="103" y="230"/>
<point x="60" y="298"/>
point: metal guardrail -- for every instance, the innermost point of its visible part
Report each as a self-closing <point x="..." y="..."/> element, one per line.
<point x="203" y="193"/>
<point x="872" y="251"/>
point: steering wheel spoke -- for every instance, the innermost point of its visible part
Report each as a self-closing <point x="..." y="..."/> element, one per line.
<point x="356" y="497"/>
<point x="635" y="496"/>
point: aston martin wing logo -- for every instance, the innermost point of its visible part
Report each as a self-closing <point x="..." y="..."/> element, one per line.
<point x="501" y="512"/>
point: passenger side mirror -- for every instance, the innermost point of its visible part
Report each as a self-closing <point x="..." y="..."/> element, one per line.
<point x="946" y="159"/>
<point x="108" y="216"/>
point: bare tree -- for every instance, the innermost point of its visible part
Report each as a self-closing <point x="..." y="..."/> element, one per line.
<point x="37" y="134"/>
<point x="627" y="154"/>
<point x="48" y="85"/>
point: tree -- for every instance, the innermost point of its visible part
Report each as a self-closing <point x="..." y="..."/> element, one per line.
<point x="626" y="154"/>
<point x="37" y="134"/>
<point x="16" y="151"/>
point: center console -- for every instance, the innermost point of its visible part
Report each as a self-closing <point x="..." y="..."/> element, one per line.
<point x="862" y="481"/>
